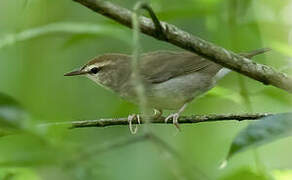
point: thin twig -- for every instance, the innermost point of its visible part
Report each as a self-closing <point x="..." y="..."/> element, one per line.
<point x="173" y="154"/>
<point x="182" y="120"/>
<point x="88" y="154"/>
<point x="180" y="38"/>
<point x="155" y="139"/>
<point x="136" y="76"/>
<point x="114" y="145"/>
<point x="158" y="27"/>
<point x="85" y="156"/>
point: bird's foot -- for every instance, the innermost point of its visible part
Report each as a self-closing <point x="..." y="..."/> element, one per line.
<point x="157" y="113"/>
<point x="174" y="118"/>
<point x="131" y="118"/>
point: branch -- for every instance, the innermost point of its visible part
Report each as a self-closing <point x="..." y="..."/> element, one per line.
<point x="182" y="120"/>
<point x="112" y="145"/>
<point x="180" y="38"/>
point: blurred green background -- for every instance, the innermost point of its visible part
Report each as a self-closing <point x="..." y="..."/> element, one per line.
<point x="40" y="40"/>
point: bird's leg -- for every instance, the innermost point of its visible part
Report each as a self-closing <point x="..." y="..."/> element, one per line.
<point x="130" y="119"/>
<point x="157" y="113"/>
<point x="175" y="116"/>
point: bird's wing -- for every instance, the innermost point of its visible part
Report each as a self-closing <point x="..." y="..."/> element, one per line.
<point x="160" y="66"/>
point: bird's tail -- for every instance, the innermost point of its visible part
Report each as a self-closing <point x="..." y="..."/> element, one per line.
<point x="250" y="54"/>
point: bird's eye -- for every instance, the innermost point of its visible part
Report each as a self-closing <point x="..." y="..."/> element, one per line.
<point x="94" y="70"/>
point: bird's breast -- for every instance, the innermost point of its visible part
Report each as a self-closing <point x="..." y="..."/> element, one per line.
<point x="171" y="94"/>
<point x="174" y="93"/>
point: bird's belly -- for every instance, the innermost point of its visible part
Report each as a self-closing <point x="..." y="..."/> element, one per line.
<point x="174" y="93"/>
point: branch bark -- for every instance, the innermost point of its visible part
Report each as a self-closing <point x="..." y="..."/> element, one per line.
<point x="180" y="38"/>
<point x="182" y="120"/>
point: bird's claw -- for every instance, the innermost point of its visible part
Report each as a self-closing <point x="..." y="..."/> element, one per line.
<point x="157" y="114"/>
<point x="130" y="119"/>
<point x="174" y="118"/>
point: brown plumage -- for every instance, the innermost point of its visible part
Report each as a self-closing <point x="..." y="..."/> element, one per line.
<point x="171" y="79"/>
<point x="160" y="66"/>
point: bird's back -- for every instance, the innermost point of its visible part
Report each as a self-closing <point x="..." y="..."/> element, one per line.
<point x="160" y="66"/>
<point x="174" y="78"/>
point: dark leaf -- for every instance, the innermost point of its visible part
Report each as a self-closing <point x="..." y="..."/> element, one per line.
<point x="263" y="131"/>
<point x="12" y="115"/>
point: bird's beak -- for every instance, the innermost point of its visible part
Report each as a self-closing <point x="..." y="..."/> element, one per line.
<point x="75" y="73"/>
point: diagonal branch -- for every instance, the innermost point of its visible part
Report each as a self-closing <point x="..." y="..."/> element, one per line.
<point x="180" y="38"/>
<point x="182" y="120"/>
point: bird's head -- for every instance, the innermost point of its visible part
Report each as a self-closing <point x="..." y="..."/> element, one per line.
<point x="108" y="69"/>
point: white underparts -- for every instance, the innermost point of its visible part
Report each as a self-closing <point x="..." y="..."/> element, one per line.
<point x="222" y="73"/>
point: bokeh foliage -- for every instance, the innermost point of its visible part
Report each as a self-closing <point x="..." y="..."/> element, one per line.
<point x="40" y="40"/>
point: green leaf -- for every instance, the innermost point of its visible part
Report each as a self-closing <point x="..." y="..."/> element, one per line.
<point x="265" y="130"/>
<point x="282" y="48"/>
<point x="5" y="133"/>
<point x="276" y="95"/>
<point x="226" y="93"/>
<point x="68" y="27"/>
<point x="245" y="174"/>
<point x="18" y="174"/>
<point x="185" y="12"/>
<point x="25" y="3"/>
<point x="14" y="119"/>
<point x="282" y="174"/>
<point x="12" y="115"/>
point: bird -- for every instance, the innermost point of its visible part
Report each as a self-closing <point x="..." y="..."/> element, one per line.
<point x="171" y="79"/>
